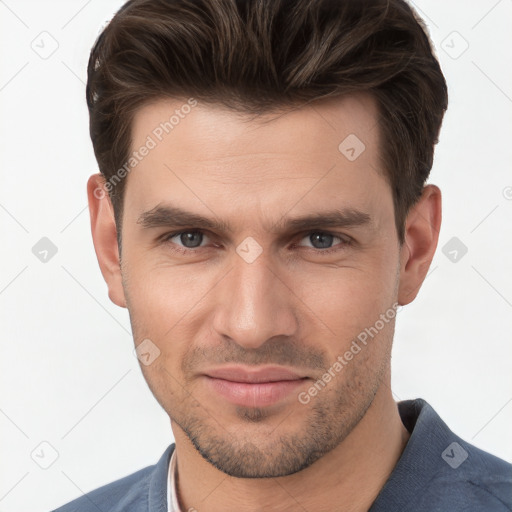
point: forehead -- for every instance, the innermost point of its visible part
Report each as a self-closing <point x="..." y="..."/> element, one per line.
<point x="203" y="153"/>
<point x="318" y="126"/>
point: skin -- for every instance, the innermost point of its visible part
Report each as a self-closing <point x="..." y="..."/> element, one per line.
<point x="292" y="306"/>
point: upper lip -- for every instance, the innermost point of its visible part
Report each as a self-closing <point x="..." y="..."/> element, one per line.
<point x="253" y="375"/>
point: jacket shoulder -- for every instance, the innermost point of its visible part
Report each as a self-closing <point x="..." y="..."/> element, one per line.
<point x="479" y="481"/>
<point x="127" y="493"/>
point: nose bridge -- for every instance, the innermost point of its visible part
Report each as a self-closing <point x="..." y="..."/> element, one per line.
<point x="254" y="305"/>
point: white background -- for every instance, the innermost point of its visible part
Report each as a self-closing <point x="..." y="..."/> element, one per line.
<point x="67" y="370"/>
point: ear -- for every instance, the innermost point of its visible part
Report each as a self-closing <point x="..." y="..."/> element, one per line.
<point x="421" y="236"/>
<point x="104" y="235"/>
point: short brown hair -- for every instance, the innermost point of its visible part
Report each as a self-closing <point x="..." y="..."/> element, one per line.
<point x="257" y="56"/>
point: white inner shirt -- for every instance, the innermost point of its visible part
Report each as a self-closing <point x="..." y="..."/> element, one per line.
<point x="172" y="493"/>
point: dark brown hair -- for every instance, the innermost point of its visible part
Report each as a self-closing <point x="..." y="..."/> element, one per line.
<point x="259" y="56"/>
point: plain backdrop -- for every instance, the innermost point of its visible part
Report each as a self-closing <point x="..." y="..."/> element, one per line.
<point x="72" y="395"/>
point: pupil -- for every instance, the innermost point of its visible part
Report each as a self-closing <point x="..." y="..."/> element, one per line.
<point x="188" y="239"/>
<point x="324" y="240"/>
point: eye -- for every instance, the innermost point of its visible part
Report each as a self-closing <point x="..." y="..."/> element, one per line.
<point x="322" y="241"/>
<point x="187" y="240"/>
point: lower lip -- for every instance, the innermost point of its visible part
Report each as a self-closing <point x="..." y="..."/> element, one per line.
<point x="254" y="394"/>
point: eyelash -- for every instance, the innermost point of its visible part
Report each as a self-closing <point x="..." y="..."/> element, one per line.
<point x="345" y="241"/>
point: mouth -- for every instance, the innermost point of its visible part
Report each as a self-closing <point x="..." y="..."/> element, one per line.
<point x="259" y="387"/>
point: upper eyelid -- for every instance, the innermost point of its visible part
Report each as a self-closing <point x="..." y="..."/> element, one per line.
<point x="345" y="239"/>
<point x="172" y="234"/>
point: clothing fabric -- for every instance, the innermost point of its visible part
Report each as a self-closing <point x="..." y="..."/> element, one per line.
<point x="437" y="472"/>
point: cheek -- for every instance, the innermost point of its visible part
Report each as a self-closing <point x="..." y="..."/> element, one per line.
<point x="162" y="296"/>
<point x="349" y="299"/>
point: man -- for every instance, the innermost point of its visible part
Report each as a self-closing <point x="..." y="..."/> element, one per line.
<point x="262" y="213"/>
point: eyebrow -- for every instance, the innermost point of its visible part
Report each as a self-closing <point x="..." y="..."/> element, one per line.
<point x="175" y="217"/>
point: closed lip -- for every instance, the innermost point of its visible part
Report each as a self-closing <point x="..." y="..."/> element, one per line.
<point x="254" y="375"/>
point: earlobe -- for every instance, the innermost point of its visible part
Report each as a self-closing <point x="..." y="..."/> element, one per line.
<point x="104" y="234"/>
<point x="421" y="236"/>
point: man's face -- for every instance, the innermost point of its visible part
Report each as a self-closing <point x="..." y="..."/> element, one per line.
<point x="255" y="290"/>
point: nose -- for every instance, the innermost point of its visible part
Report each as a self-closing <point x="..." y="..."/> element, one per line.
<point x="254" y="304"/>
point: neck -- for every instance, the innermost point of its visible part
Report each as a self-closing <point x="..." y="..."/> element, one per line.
<point x="351" y="475"/>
